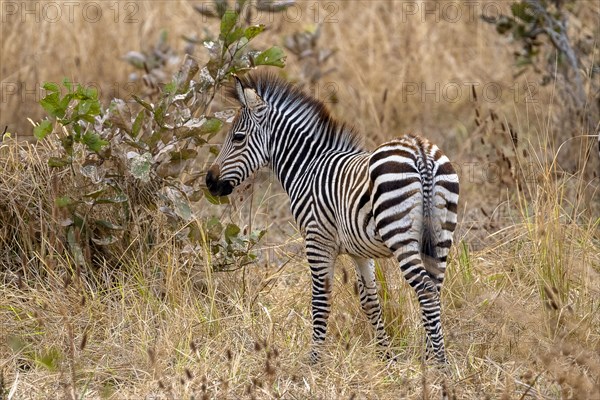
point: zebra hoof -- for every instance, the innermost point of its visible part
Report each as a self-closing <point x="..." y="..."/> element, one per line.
<point x="441" y="362"/>
<point x="439" y="359"/>
<point x="388" y="356"/>
<point x="314" y="357"/>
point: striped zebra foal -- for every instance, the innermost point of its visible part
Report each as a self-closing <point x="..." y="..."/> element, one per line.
<point x="399" y="200"/>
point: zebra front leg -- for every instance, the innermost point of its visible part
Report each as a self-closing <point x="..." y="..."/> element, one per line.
<point x="369" y="301"/>
<point x="321" y="262"/>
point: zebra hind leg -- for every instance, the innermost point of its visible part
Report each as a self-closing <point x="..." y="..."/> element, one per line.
<point x="436" y="269"/>
<point x="404" y="241"/>
<point x="369" y="301"/>
<point x="444" y="220"/>
<point x="407" y="250"/>
<point x="428" y="295"/>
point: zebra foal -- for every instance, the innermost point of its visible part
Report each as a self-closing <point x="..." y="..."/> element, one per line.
<point x="399" y="200"/>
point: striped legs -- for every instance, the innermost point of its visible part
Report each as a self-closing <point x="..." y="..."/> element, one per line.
<point x="321" y="258"/>
<point x="369" y="300"/>
<point x="428" y="295"/>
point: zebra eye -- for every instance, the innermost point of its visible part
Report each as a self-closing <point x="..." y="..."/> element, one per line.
<point x="238" y="136"/>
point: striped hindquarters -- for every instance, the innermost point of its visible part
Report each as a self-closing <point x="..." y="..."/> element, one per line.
<point x="412" y="176"/>
<point x="414" y="196"/>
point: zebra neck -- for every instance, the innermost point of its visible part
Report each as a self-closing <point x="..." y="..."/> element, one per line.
<point x="294" y="154"/>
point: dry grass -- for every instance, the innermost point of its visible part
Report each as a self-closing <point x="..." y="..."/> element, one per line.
<point x="521" y="301"/>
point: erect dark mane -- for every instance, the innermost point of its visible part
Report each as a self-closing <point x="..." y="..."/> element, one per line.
<point x="280" y="94"/>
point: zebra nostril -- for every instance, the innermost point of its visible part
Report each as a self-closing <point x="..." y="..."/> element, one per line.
<point x="216" y="186"/>
<point x="212" y="177"/>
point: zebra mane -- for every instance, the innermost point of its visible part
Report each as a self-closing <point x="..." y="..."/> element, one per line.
<point x="280" y="94"/>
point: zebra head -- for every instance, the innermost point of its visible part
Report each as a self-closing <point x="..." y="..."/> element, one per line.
<point x="245" y="148"/>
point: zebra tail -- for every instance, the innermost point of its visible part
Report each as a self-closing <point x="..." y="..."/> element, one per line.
<point x="428" y="241"/>
<point x="428" y="236"/>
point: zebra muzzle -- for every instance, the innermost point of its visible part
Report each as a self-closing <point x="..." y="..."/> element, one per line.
<point x="216" y="186"/>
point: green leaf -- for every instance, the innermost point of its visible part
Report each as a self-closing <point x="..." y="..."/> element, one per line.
<point x="214" y="228"/>
<point x="159" y="113"/>
<point x="180" y="203"/>
<point x="228" y="21"/>
<point x="234" y="36"/>
<point x="85" y="117"/>
<point x="68" y="84"/>
<point x="231" y="231"/>
<point x="65" y="101"/>
<point x="137" y="124"/>
<point x="184" y="154"/>
<point x="199" y="127"/>
<point x="273" y="56"/>
<point x="89" y="107"/>
<point x="120" y="115"/>
<point x="84" y="107"/>
<point x="189" y="68"/>
<point x="213" y="222"/>
<point x="256" y="235"/>
<point x="212" y="125"/>
<point x="58" y="162"/>
<point x="170" y="88"/>
<point x="67" y="143"/>
<point x="83" y="93"/>
<point x="51" y="87"/>
<point x="252" y="31"/>
<point x="43" y="129"/>
<point x="215" y="199"/>
<point x="140" y="166"/>
<point x="51" y="103"/>
<point x="143" y="103"/>
<point x="523" y="11"/>
<point x="213" y="68"/>
<point x="93" y="141"/>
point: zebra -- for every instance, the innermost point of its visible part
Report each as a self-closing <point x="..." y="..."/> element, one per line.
<point x="399" y="200"/>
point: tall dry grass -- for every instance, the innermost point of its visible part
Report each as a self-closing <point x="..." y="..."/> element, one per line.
<point x="520" y="303"/>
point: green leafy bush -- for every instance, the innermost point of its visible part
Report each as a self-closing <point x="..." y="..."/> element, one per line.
<point x="137" y="157"/>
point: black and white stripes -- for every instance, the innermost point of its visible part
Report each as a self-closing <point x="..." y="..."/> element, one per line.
<point x="399" y="200"/>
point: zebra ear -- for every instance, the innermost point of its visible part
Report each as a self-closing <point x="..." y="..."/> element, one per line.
<point x="251" y="99"/>
<point x="248" y="97"/>
<point x="239" y="90"/>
